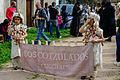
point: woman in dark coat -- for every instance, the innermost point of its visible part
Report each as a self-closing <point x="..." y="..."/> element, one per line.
<point x="75" y="25"/>
<point x="64" y="16"/>
<point x="107" y="20"/>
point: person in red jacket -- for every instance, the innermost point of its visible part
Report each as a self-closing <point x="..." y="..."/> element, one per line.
<point x="11" y="10"/>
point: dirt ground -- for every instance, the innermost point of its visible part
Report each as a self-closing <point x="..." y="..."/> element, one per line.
<point x="109" y="71"/>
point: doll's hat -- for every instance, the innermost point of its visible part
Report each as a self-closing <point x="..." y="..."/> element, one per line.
<point x="96" y="18"/>
<point x="18" y="15"/>
<point x="118" y="4"/>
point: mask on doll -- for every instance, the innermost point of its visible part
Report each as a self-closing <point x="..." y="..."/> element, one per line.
<point x="91" y="23"/>
<point x="94" y="19"/>
<point x="17" y="21"/>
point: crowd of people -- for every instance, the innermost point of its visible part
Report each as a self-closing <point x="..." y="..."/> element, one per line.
<point x="97" y="23"/>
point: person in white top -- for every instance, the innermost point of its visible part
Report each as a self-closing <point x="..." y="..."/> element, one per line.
<point x="18" y="33"/>
<point x="93" y="36"/>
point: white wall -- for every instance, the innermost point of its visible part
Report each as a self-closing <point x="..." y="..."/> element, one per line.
<point x="21" y="4"/>
<point x="1" y="11"/>
<point x="4" y="4"/>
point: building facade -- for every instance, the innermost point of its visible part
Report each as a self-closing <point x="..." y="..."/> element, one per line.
<point x="27" y="8"/>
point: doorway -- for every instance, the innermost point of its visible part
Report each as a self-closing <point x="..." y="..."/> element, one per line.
<point x="29" y="13"/>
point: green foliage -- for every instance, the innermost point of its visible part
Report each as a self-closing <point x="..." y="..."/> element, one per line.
<point x="5" y="49"/>
<point x="32" y="33"/>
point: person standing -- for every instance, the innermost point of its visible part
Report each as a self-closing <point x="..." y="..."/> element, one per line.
<point x="98" y="6"/>
<point x="53" y="19"/>
<point x="93" y="36"/>
<point x="107" y="20"/>
<point x="75" y="25"/>
<point x="40" y="17"/>
<point x="59" y="19"/>
<point x="64" y="16"/>
<point x="48" y="17"/>
<point x="117" y="63"/>
<point x="11" y="10"/>
<point x="18" y="33"/>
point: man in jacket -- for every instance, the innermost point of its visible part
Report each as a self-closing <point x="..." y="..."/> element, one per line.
<point x="40" y="17"/>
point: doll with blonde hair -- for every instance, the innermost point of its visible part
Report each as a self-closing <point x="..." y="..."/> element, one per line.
<point x="93" y="36"/>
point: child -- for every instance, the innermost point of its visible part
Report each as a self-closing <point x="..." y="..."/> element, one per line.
<point x="18" y="33"/>
<point x="59" y="19"/>
<point x="93" y="36"/>
<point x="117" y="63"/>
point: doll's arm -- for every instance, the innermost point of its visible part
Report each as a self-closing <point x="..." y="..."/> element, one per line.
<point x="81" y="30"/>
<point x="101" y="39"/>
<point x="23" y="36"/>
<point x="9" y="31"/>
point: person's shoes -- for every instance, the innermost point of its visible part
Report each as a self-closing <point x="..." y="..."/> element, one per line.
<point x="36" y="43"/>
<point x="60" y="37"/>
<point x="92" y="78"/>
<point x="49" y="43"/>
<point x="80" y="35"/>
<point x="21" y="68"/>
<point x="83" y="77"/>
<point x="117" y="64"/>
<point x="109" y="40"/>
<point x="15" y="68"/>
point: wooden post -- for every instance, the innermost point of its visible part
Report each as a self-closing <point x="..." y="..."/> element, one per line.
<point x="61" y="42"/>
<point x="53" y="43"/>
<point x="32" y="41"/>
<point x="46" y="42"/>
<point x="26" y="41"/>
<point x="39" y="42"/>
<point x="69" y="43"/>
<point x="75" y="43"/>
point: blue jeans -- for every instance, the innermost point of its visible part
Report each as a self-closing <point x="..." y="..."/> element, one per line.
<point x="64" y="24"/>
<point x="118" y="48"/>
<point x="40" y="33"/>
<point x="54" y="23"/>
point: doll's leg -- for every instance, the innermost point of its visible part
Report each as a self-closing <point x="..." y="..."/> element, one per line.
<point x="14" y="62"/>
<point x="18" y="62"/>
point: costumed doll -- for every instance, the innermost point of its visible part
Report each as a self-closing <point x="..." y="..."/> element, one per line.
<point x="93" y="36"/>
<point x="18" y="32"/>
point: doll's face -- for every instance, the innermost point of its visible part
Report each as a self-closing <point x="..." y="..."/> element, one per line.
<point x="91" y="22"/>
<point x="17" y="21"/>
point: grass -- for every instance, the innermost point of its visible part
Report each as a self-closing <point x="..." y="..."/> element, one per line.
<point x="5" y="49"/>
<point x="36" y="76"/>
